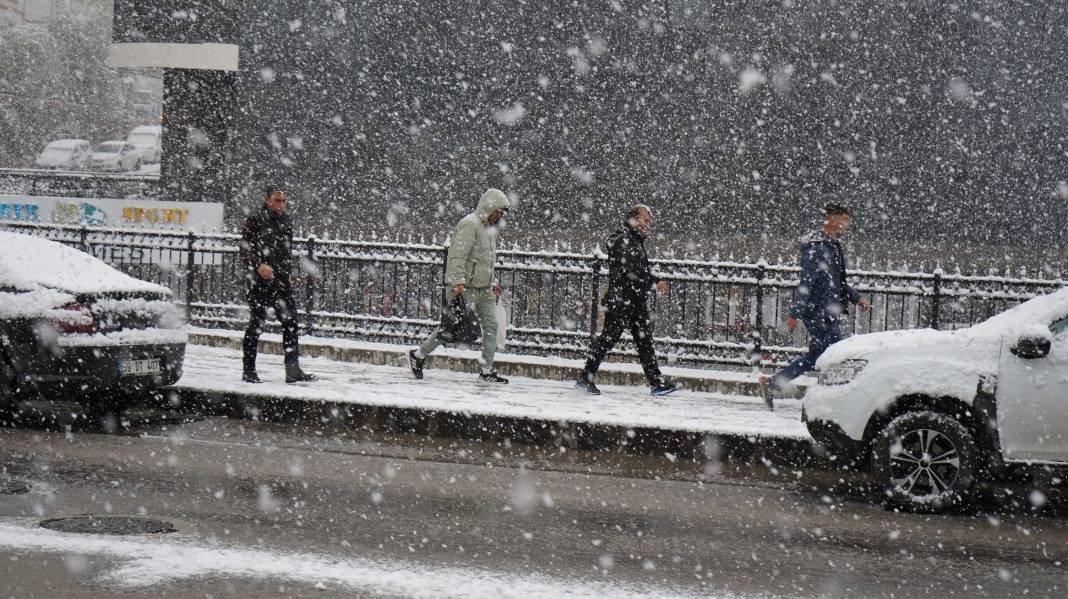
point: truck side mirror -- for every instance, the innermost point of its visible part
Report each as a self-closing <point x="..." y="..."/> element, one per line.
<point x="1030" y="348"/>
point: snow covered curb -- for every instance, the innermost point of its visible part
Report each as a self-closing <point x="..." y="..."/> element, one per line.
<point x="542" y="367"/>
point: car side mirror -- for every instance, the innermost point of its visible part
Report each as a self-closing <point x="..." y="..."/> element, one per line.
<point x="1030" y="348"/>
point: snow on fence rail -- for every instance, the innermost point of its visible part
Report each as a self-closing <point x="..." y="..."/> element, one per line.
<point x="718" y="312"/>
<point x="38" y="182"/>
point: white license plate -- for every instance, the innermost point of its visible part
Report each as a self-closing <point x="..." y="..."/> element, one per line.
<point x="139" y="367"/>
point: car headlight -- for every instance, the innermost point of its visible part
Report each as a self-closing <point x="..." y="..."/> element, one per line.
<point x="842" y="373"/>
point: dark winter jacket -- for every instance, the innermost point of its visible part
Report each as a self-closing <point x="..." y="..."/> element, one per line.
<point x="823" y="291"/>
<point x="267" y="238"/>
<point x="629" y="275"/>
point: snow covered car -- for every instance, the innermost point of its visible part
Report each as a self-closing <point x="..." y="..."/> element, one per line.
<point x="66" y="154"/>
<point x="935" y="411"/>
<point x="118" y="156"/>
<point x="73" y="327"/>
<point x="147" y="139"/>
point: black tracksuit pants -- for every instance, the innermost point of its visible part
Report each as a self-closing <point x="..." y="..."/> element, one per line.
<point x="623" y="316"/>
<point x="262" y="296"/>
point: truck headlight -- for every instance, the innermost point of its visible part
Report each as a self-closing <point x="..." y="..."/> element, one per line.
<point x="840" y="374"/>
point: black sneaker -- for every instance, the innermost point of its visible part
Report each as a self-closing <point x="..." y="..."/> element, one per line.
<point x="664" y="388"/>
<point x="492" y="377"/>
<point x="416" y="364"/>
<point x="295" y="375"/>
<point x="251" y="377"/>
<point x="585" y="383"/>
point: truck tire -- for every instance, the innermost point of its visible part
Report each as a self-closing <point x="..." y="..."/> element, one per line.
<point x="925" y="462"/>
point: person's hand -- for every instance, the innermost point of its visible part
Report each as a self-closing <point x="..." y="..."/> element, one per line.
<point x="791" y="324"/>
<point x="497" y="290"/>
<point x="864" y="304"/>
<point x="458" y="290"/>
<point x="266" y="272"/>
<point x="662" y="287"/>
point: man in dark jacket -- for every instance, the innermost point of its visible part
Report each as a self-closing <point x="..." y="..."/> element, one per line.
<point x="266" y="250"/>
<point x="629" y="282"/>
<point x="821" y="297"/>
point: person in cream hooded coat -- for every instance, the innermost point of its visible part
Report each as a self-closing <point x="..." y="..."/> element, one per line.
<point x="469" y="271"/>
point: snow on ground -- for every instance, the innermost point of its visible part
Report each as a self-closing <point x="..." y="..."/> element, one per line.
<point x="147" y="561"/>
<point x="147" y="170"/>
<point x="632" y="365"/>
<point x="219" y="370"/>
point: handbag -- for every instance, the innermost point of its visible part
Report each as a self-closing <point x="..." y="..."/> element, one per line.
<point x="459" y="323"/>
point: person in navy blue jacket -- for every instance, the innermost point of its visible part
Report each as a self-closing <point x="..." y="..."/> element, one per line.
<point x="821" y="298"/>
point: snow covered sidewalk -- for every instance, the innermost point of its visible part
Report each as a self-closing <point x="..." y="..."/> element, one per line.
<point x="215" y="370"/>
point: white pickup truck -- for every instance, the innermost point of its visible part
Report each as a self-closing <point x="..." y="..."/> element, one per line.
<point x="935" y="411"/>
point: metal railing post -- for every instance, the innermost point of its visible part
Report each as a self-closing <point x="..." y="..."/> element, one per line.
<point x="595" y="299"/>
<point x="444" y="272"/>
<point x="309" y="290"/>
<point x="84" y="233"/>
<point x="189" y="258"/>
<point x="758" y="318"/>
<point x="937" y="301"/>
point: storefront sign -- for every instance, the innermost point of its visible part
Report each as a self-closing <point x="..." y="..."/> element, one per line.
<point x="200" y="217"/>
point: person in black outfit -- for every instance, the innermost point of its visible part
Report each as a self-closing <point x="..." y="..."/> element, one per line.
<point x="266" y="250"/>
<point x="629" y="281"/>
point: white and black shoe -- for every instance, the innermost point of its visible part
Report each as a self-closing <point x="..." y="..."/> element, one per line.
<point x="492" y="377"/>
<point x="585" y="383"/>
<point x="416" y="364"/>
<point x="663" y="388"/>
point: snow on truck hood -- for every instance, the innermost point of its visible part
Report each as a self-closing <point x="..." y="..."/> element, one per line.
<point x="1042" y="310"/>
<point x="28" y="263"/>
<point x="913" y="340"/>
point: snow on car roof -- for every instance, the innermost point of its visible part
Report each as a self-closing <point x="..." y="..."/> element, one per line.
<point x="28" y="262"/>
<point x="67" y="144"/>
<point x="1042" y="310"/>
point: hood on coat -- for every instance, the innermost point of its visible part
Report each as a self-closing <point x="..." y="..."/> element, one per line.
<point x="493" y="199"/>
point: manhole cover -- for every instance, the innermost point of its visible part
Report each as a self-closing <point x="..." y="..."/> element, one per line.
<point x="10" y="486"/>
<point x="109" y="525"/>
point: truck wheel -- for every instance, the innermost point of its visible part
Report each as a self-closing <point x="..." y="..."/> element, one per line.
<point x="925" y="462"/>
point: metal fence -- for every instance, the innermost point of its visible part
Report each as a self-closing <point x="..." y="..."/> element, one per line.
<point x="717" y="312"/>
<point x="32" y="182"/>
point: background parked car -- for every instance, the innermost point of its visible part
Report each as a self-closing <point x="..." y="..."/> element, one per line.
<point x="73" y="327"/>
<point x="117" y="156"/>
<point x="148" y="140"/>
<point x="935" y="411"/>
<point x="66" y="154"/>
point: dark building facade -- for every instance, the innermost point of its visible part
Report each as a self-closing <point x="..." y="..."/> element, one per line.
<point x="939" y="122"/>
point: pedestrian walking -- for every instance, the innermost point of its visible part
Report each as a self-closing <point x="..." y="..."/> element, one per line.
<point x="630" y="280"/>
<point x="266" y="250"/>
<point x="469" y="272"/>
<point x="821" y="298"/>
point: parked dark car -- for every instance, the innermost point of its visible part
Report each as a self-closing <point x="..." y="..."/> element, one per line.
<point x="74" y="328"/>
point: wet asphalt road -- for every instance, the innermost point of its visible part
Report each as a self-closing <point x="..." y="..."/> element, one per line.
<point x="660" y="524"/>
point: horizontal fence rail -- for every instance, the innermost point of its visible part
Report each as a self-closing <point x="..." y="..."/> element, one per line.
<point x="717" y="312"/>
<point x="40" y="182"/>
